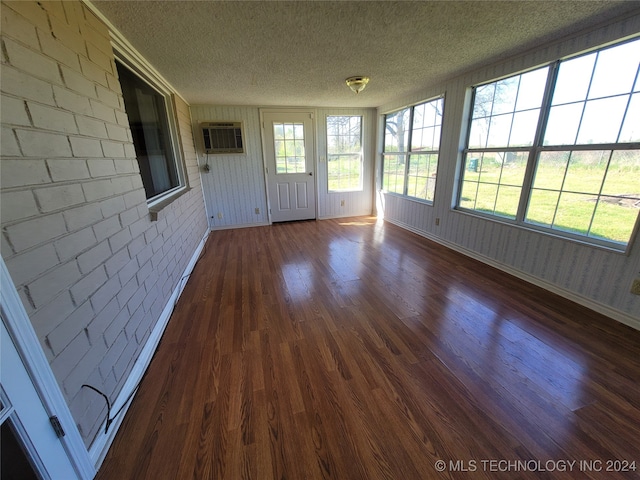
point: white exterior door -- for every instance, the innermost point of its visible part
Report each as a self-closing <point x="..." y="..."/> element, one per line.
<point x="290" y="165"/>
<point x="29" y="442"/>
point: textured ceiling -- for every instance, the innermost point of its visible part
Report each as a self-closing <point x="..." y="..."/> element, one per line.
<point x="299" y="53"/>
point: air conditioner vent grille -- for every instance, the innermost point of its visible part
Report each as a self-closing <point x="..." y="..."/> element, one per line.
<point x="222" y="137"/>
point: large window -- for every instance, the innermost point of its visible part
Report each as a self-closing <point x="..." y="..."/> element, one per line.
<point x="558" y="148"/>
<point x="411" y="146"/>
<point x="344" y="153"/>
<point x="147" y="110"/>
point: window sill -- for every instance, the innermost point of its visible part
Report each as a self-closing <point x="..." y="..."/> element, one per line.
<point x="157" y="206"/>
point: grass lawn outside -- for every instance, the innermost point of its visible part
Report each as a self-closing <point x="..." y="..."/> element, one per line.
<point x="568" y="192"/>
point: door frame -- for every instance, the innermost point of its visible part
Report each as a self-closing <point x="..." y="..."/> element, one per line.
<point x="28" y="347"/>
<point x="314" y="160"/>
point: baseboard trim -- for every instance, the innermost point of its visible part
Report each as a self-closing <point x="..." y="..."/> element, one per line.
<point x="612" y="313"/>
<point x="346" y="215"/>
<point x="242" y="225"/>
<point x="102" y="443"/>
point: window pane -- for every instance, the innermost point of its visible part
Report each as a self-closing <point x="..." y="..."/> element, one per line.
<point x="601" y="120"/>
<point x="531" y="92"/>
<point x="615" y="218"/>
<point x="523" y="124"/>
<point x="427" y="119"/>
<point x="550" y="170"/>
<point x="507" y="201"/>
<point x="514" y="165"/>
<point x="574" y="213"/>
<point x="631" y="126"/>
<point x="616" y="70"/>
<point x="623" y="174"/>
<point x="478" y="135"/>
<point x="504" y="100"/>
<point x="468" y="195"/>
<point x="499" y="130"/>
<point x="573" y="80"/>
<point x="147" y="113"/>
<point x="542" y="207"/>
<point x="344" y="172"/>
<point x="486" y="197"/>
<point x="563" y="123"/>
<point x="617" y="210"/>
<point x="396" y="131"/>
<point x="483" y="100"/>
<point x="490" y="167"/>
<point x="422" y="176"/>
<point x="344" y="134"/>
<point x="586" y="171"/>
<point x="393" y="173"/>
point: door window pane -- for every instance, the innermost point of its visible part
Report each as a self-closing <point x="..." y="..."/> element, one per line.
<point x="14" y="463"/>
<point x="288" y="141"/>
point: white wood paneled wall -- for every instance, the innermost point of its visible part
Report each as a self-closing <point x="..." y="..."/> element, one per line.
<point x="234" y="186"/>
<point x="595" y="277"/>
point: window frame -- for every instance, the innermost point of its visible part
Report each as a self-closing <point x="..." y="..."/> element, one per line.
<point x="410" y="152"/>
<point x="360" y="187"/>
<point x="146" y="74"/>
<point x="534" y="152"/>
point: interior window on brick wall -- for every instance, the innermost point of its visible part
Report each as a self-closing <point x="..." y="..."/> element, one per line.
<point x="148" y="114"/>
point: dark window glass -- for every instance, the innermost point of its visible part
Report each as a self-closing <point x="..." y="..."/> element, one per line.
<point x="147" y="114"/>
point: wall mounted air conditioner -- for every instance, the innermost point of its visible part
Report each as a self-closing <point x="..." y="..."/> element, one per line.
<point x="222" y="137"/>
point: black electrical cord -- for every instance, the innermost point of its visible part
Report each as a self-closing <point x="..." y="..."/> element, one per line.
<point x="110" y="419"/>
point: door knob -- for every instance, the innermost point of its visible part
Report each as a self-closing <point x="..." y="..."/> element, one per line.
<point x="311" y="174"/>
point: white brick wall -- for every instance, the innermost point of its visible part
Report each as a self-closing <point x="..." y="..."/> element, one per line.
<point x="92" y="269"/>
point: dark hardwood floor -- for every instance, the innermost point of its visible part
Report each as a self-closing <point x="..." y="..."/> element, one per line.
<point x="351" y="349"/>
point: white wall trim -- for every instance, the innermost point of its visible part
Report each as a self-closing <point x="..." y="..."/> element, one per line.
<point x="102" y="443"/>
<point x="612" y="313"/>
<point x="347" y="215"/>
<point x="243" y="225"/>
<point x="28" y="346"/>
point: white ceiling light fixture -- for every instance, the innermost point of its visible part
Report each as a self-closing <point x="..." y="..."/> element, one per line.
<point x="357" y="84"/>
